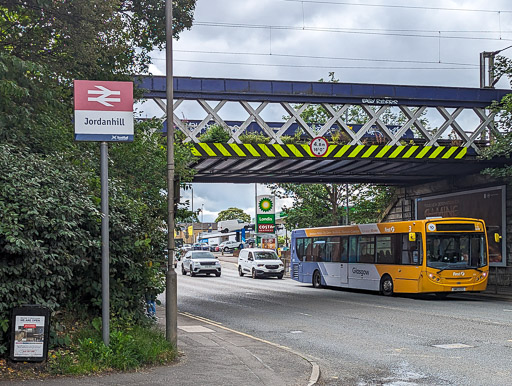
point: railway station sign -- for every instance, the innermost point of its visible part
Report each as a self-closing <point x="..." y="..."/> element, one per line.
<point x="103" y="111"/>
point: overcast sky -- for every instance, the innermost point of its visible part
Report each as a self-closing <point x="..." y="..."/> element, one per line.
<point x="414" y="42"/>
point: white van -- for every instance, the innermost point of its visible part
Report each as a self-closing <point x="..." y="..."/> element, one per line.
<point x="260" y="263"/>
<point x="230" y="225"/>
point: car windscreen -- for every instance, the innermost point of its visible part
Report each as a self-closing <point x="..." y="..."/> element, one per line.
<point x="202" y="255"/>
<point x="265" y="256"/>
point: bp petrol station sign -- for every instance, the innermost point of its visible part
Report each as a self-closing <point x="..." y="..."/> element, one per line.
<point x="265" y="214"/>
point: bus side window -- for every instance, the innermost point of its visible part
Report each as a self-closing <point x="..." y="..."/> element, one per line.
<point x="333" y="249"/>
<point x="412" y="251"/>
<point x="386" y="249"/>
<point x="366" y="249"/>
<point x="308" y="249"/>
<point x="352" y="254"/>
<point x="344" y="250"/>
<point x="319" y="249"/>
<point x="299" y="248"/>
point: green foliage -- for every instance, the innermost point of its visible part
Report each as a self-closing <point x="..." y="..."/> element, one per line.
<point x="49" y="185"/>
<point x="369" y="202"/>
<point x="130" y="348"/>
<point x="254" y="138"/>
<point x="233" y="214"/>
<point x="316" y="205"/>
<point x="215" y="134"/>
<point x="89" y="39"/>
<point x="501" y="147"/>
<point x="313" y="204"/>
<point x="32" y="112"/>
<point x="48" y="230"/>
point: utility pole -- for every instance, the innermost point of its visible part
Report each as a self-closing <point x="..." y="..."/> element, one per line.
<point x="487" y="79"/>
<point x="171" y="280"/>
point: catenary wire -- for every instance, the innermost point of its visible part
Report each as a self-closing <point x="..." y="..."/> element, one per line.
<point x="327" y="57"/>
<point x="398" y="6"/>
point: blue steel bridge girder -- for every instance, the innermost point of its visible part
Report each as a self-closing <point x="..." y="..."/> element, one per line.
<point x="336" y="99"/>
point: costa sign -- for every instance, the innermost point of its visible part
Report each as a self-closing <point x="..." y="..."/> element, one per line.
<point x="266" y="228"/>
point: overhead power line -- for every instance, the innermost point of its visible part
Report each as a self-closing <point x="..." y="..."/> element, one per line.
<point x="318" y="66"/>
<point x="361" y="31"/>
<point x="331" y="2"/>
<point x="327" y="57"/>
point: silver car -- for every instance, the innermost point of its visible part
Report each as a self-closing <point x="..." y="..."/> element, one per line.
<point x="200" y="262"/>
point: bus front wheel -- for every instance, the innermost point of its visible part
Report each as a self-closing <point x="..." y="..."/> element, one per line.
<point x="386" y="285"/>
<point x="317" y="280"/>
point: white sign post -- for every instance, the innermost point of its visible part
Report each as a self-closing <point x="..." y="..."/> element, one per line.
<point x="104" y="113"/>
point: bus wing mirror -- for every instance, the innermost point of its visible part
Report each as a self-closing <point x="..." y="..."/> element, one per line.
<point x="412" y="236"/>
<point x="497" y="237"/>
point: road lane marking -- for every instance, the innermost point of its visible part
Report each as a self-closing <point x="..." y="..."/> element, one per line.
<point x="451" y="346"/>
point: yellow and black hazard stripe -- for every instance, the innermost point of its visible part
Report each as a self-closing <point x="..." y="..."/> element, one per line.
<point x="221" y="150"/>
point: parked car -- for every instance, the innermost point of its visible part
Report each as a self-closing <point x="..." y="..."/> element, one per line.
<point x="186" y="247"/>
<point x="214" y="247"/>
<point x="200" y="262"/>
<point x="260" y="263"/>
<point x="200" y="247"/>
<point x="226" y="226"/>
<point x="230" y="245"/>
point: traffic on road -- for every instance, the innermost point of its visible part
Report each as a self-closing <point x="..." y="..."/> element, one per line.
<point x="359" y="337"/>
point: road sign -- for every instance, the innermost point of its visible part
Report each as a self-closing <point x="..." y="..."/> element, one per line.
<point x="103" y="111"/>
<point x="319" y="146"/>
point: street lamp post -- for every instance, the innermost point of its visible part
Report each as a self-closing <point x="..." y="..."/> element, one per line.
<point x="171" y="285"/>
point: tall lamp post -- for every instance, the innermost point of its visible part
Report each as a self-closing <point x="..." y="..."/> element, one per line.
<point x="171" y="285"/>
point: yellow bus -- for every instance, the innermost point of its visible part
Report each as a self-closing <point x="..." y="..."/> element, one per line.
<point x="438" y="255"/>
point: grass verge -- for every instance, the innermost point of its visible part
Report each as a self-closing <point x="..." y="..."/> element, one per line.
<point x="130" y="348"/>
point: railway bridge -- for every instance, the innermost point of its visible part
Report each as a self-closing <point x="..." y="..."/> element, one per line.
<point x="386" y="134"/>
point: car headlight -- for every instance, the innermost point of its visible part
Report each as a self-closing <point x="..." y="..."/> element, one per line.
<point x="261" y="265"/>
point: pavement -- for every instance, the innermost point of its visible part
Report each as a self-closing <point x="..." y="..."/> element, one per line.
<point x="210" y="354"/>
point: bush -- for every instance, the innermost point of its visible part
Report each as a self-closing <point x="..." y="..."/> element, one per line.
<point x="215" y="134"/>
<point x="254" y="138"/>
<point x="50" y="240"/>
<point x="48" y="230"/>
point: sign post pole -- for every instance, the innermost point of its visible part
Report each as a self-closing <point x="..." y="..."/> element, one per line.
<point x="104" y="113"/>
<point x="105" y="250"/>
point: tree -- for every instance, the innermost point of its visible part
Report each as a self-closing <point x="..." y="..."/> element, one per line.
<point x="50" y="246"/>
<point x="233" y="214"/>
<point x="317" y="205"/>
<point x="89" y="39"/>
<point x="313" y="204"/>
<point x="501" y="145"/>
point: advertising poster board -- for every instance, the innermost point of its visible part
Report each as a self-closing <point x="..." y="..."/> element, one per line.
<point x="487" y="204"/>
<point x="30" y="333"/>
